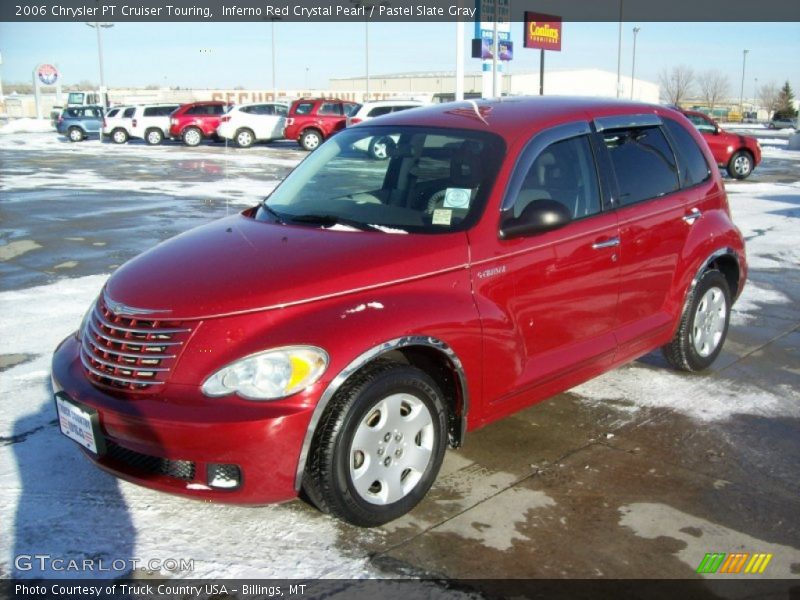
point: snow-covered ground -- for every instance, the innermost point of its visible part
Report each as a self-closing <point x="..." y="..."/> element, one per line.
<point x="52" y="501"/>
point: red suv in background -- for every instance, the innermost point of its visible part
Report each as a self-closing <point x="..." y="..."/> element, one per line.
<point x="193" y="122"/>
<point x="312" y="120"/>
<point x="739" y="154"/>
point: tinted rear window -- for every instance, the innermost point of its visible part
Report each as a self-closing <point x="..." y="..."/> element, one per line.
<point x="691" y="162"/>
<point x="643" y="163"/>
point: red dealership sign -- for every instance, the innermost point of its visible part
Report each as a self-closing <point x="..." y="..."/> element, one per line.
<point x="542" y="31"/>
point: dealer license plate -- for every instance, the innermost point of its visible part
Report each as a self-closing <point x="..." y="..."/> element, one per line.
<point x="79" y="424"/>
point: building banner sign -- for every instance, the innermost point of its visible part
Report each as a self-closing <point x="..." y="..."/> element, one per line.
<point x="542" y="31"/>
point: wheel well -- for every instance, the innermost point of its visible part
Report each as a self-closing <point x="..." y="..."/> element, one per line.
<point x="729" y="267"/>
<point x="439" y="368"/>
<point x="744" y="149"/>
<point x="307" y="129"/>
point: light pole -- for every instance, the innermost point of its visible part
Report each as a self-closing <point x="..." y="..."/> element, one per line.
<point x="306" y="78"/>
<point x="619" y="53"/>
<point x="274" y="85"/>
<point x="98" y="27"/>
<point x="633" y="62"/>
<point x="741" y="93"/>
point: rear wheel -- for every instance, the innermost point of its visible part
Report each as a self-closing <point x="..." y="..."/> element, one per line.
<point x="380" y="147"/>
<point x="245" y="138"/>
<point x="192" y="136"/>
<point x="154" y="137"/>
<point x="119" y="136"/>
<point x="379" y="445"/>
<point x="740" y="165"/>
<point x="310" y="139"/>
<point x="75" y="134"/>
<point x="704" y="325"/>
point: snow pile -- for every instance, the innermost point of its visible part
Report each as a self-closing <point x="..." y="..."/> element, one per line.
<point x="26" y="125"/>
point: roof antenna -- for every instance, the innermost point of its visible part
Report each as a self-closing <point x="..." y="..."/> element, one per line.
<point x="477" y="112"/>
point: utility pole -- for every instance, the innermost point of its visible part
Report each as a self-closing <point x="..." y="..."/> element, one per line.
<point x="98" y="27"/>
<point x="741" y="93"/>
<point x="633" y="63"/>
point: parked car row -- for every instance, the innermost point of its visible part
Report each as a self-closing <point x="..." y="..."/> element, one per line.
<point x="309" y="121"/>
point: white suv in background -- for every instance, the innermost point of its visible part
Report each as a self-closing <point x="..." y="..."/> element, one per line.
<point x="379" y="147"/>
<point x="151" y="122"/>
<point x="117" y="123"/>
<point x="247" y="124"/>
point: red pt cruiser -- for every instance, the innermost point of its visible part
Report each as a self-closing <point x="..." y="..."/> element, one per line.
<point x="370" y="313"/>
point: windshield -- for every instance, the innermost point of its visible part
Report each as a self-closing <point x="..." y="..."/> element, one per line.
<point x="391" y="179"/>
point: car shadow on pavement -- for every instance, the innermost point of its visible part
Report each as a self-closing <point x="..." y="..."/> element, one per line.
<point x="71" y="519"/>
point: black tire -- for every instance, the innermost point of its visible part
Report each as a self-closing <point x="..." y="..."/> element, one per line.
<point x="192" y="136"/>
<point x="75" y="134"/>
<point x="357" y="408"/>
<point x="380" y="147"/>
<point x="704" y="325"/>
<point x="740" y="165"/>
<point x="119" y="136"/>
<point x="310" y="139"/>
<point x="153" y="136"/>
<point x="245" y="137"/>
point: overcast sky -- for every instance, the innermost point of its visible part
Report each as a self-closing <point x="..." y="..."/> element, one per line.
<point x="232" y="54"/>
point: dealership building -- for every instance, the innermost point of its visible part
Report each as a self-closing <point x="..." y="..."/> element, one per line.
<point x="582" y="82"/>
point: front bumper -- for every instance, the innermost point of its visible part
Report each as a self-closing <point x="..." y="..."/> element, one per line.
<point x="171" y="442"/>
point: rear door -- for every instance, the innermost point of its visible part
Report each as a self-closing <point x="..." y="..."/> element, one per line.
<point x="650" y="208"/>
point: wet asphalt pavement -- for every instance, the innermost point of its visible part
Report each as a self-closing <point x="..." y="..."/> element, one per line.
<point x="563" y="489"/>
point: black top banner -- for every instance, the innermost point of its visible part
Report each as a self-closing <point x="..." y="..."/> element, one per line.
<point x="399" y="10"/>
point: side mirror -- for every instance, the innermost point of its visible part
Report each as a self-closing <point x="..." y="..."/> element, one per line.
<point x="538" y="217"/>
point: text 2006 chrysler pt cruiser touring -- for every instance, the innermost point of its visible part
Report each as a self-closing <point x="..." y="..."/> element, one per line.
<point x="371" y="312"/>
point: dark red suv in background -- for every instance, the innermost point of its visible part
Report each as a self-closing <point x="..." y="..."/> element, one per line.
<point x="196" y="121"/>
<point x="739" y="154"/>
<point x="312" y="120"/>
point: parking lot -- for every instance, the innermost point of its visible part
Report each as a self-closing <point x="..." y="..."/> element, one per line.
<point x="637" y="474"/>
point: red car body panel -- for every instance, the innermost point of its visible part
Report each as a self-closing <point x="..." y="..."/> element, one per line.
<point x="724" y="144"/>
<point x="526" y="318"/>
<point x="207" y="124"/>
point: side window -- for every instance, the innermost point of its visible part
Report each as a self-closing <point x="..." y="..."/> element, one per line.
<point x="129" y="112"/>
<point x="564" y="172"/>
<point x="249" y="110"/>
<point x="151" y="111"/>
<point x="304" y="108"/>
<point x="379" y="110"/>
<point x="330" y="108"/>
<point x="112" y="113"/>
<point x="217" y="109"/>
<point x="280" y="109"/>
<point x="96" y="113"/>
<point x="643" y="163"/>
<point x="691" y="162"/>
<point x="703" y="125"/>
<point x="350" y="108"/>
<point x="196" y="110"/>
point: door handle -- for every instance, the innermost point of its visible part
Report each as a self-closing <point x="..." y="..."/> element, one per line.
<point x="609" y="243"/>
<point x="692" y="216"/>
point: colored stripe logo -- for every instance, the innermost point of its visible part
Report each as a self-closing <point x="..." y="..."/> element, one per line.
<point x="734" y="563"/>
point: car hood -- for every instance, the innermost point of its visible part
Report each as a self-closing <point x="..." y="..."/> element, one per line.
<point x="238" y="264"/>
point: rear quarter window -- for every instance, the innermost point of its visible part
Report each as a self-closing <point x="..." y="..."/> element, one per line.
<point x="303" y="108"/>
<point x="129" y="112"/>
<point x="692" y="164"/>
<point x="643" y="163"/>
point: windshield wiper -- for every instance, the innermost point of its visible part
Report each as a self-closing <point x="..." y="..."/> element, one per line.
<point x="330" y="220"/>
<point x="278" y="217"/>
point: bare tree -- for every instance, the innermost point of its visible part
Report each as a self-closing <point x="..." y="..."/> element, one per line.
<point x="676" y="84"/>
<point x="768" y="96"/>
<point x="714" y="86"/>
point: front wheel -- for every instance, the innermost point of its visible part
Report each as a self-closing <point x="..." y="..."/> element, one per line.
<point x="379" y="445"/>
<point x="192" y="136"/>
<point x="119" y="136"/>
<point x="154" y="137"/>
<point x="704" y="325"/>
<point x="310" y="139"/>
<point x="741" y="165"/>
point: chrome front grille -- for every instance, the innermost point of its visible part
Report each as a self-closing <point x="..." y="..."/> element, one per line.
<point x="130" y="353"/>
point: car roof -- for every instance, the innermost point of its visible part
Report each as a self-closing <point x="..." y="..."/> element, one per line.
<point x="277" y="102"/>
<point x="515" y="116"/>
<point x="393" y="102"/>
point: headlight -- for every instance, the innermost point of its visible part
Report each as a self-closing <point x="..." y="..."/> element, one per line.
<point x="269" y="375"/>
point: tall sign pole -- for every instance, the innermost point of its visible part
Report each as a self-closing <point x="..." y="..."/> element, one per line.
<point x="492" y="42"/>
<point x="542" y="32"/>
